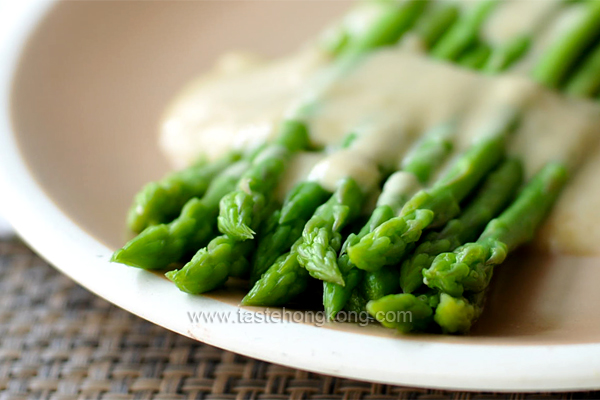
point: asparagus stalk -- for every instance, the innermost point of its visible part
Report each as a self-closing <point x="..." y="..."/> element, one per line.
<point x="417" y="166"/>
<point x="506" y="55"/>
<point x="404" y="312"/>
<point x="286" y="225"/>
<point x="387" y="244"/>
<point x="241" y="209"/>
<point x="270" y="289"/>
<point x="336" y="296"/>
<point x="391" y="26"/>
<point x="460" y="278"/>
<point x="211" y="266"/>
<point x="457" y="315"/>
<point x="476" y="58"/>
<point x="209" y="263"/>
<point x="160" y="202"/>
<point x="321" y="238"/>
<point x="436" y="23"/>
<point x="561" y="57"/>
<point x="451" y="314"/>
<point x="465" y="33"/>
<point x="158" y="246"/>
<point x="496" y="191"/>
<point x="282" y="282"/>
<point x="470" y="266"/>
<point x="424" y="159"/>
<point x="586" y="80"/>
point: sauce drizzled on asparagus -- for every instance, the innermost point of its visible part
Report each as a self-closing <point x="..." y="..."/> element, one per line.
<point x="354" y="112"/>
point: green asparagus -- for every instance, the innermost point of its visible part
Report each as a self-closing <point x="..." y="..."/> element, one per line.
<point x="586" y="80"/>
<point x="470" y="266"/>
<point x="241" y="209"/>
<point x="464" y="33"/>
<point x="160" y="202"/>
<point x="158" y="246"/>
<point x="457" y="315"/>
<point x="321" y="238"/>
<point x="282" y="282"/>
<point x="211" y="266"/>
<point x="433" y="207"/>
<point x="303" y="238"/>
<point x="391" y="26"/>
<point x="476" y="58"/>
<point x="560" y="58"/>
<point x="286" y="225"/>
<point x="496" y="191"/>
<point x="436" y="23"/>
<point x="504" y="56"/>
<point x="287" y="274"/>
<point x="404" y="312"/>
<point x="417" y="166"/>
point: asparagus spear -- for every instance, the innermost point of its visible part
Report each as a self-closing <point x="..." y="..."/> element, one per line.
<point x="438" y="21"/>
<point x="496" y="191"/>
<point x="321" y="238"/>
<point x="387" y="29"/>
<point x="240" y="209"/>
<point x="284" y="279"/>
<point x="586" y="80"/>
<point x="387" y="244"/>
<point x="464" y="33"/>
<point x="356" y="303"/>
<point x="476" y="58"/>
<point x="286" y="225"/>
<point x="451" y="314"/>
<point x="559" y="59"/>
<point x="212" y="265"/>
<point x="504" y="56"/>
<point x="417" y="166"/>
<point x="425" y="157"/>
<point x="282" y="282"/>
<point x="404" y="312"/>
<point x="457" y="315"/>
<point x="470" y="266"/>
<point x="158" y="246"/>
<point x="208" y="269"/>
<point x="161" y="201"/>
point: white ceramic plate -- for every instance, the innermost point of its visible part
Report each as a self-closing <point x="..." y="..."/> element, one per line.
<point x="79" y="104"/>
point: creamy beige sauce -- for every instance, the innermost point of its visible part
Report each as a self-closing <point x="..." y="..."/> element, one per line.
<point x="512" y="18"/>
<point x="400" y="183"/>
<point x="238" y="105"/>
<point x="389" y="100"/>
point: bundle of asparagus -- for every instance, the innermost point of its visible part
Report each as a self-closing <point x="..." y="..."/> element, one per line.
<point x="225" y="211"/>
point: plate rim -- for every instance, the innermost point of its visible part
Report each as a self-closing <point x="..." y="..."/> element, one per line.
<point x="53" y="235"/>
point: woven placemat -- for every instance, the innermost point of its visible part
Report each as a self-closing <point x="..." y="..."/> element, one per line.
<point x="58" y="341"/>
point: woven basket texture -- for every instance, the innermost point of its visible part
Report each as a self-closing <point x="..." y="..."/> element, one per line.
<point x="58" y="341"/>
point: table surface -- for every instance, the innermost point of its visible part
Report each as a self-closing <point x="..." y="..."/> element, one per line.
<point x="58" y="341"/>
